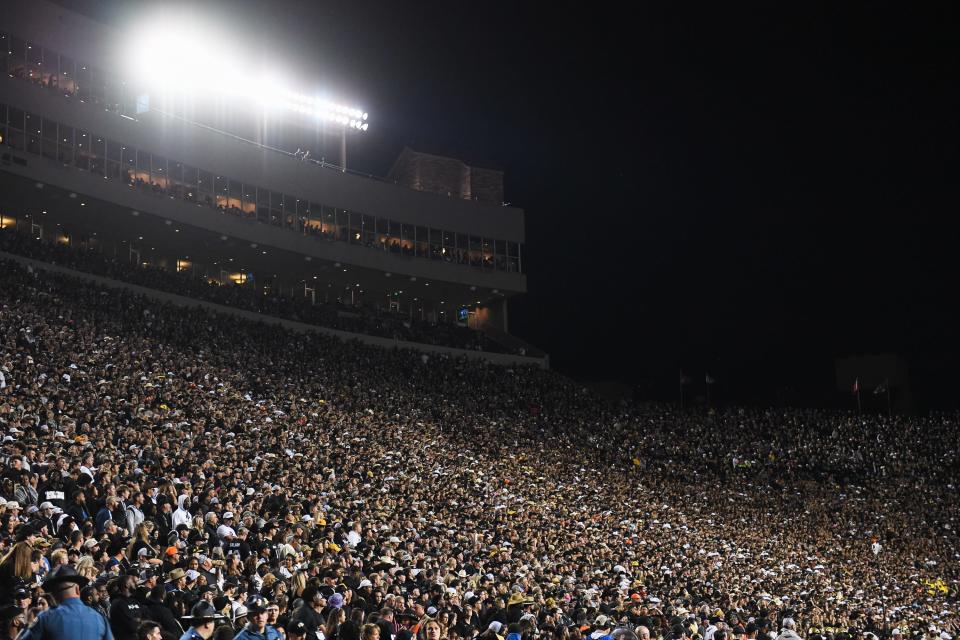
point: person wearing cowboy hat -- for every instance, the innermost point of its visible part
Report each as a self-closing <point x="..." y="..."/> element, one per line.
<point x="203" y="620"/>
<point x="176" y="580"/>
<point x="71" y="619"/>
<point x="257" y="627"/>
<point x="517" y="605"/>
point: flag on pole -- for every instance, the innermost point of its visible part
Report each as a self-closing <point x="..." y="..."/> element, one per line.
<point x="710" y="380"/>
<point x="684" y="379"/>
<point x="881" y="388"/>
<point x="856" y="387"/>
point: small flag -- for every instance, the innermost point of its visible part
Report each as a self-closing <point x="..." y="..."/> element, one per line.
<point x="856" y="386"/>
<point x="684" y="379"/>
<point x="881" y="388"/>
<point x="710" y="380"/>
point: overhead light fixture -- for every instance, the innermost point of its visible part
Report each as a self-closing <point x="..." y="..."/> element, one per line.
<point x="200" y="59"/>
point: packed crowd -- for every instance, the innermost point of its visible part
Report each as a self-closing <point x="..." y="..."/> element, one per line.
<point x="168" y="473"/>
<point x="356" y="318"/>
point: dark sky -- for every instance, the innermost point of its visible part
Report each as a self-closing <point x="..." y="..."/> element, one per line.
<point x="746" y="191"/>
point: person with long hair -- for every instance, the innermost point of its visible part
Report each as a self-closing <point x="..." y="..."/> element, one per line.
<point x="335" y="618"/>
<point x="87" y="568"/>
<point x="298" y="583"/>
<point x="198" y="532"/>
<point x="142" y="540"/>
<point x="15" y="566"/>
<point x="350" y="629"/>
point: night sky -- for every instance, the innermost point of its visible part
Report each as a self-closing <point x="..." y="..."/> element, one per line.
<point x="746" y="191"/>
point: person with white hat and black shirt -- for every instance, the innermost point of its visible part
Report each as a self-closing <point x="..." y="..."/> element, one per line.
<point x="45" y="516"/>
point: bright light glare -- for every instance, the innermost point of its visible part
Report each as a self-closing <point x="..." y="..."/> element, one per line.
<point x="183" y="62"/>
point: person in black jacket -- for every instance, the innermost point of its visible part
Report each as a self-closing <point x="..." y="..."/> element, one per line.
<point x="155" y="609"/>
<point x="309" y="611"/>
<point x="78" y="507"/>
<point x="125" y="612"/>
<point x="163" y="519"/>
<point x="53" y="490"/>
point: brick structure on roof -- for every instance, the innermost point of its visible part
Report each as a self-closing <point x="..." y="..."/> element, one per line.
<point x="447" y="176"/>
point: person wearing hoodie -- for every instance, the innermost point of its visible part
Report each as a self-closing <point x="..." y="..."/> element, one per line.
<point x="181" y="515"/>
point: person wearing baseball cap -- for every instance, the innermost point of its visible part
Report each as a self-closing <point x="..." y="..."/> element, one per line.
<point x="22" y="598"/>
<point x="71" y="619"/>
<point x="226" y="532"/>
<point x="203" y="620"/>
<point x="172" y="558"/>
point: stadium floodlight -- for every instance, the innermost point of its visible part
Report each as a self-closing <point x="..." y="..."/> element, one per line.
<point x="199" y="62"/>
<point x="323" y="109"/>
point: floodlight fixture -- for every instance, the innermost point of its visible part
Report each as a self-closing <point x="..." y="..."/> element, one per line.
<point x="326" y="110"/>
<point x="199" y="61"/>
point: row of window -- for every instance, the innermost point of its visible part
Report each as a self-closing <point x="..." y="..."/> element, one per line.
<point x="143" y="170"/>
<point x="40" y="65"/>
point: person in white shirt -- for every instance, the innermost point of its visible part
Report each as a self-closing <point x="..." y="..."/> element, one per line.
<point x="181" y="515"/>
<point x="225" y="531"/>
<point x="354" y="536"/>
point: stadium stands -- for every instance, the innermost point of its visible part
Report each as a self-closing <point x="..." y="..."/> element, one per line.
<point x="440" y="488"/>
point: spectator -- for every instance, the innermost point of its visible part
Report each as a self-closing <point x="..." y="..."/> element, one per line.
<point x="71" y="619"/>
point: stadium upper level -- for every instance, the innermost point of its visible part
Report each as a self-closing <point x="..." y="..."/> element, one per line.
<point x="72" y="99"/>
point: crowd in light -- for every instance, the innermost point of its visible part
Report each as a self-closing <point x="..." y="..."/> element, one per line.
<point x="187" y="472"/>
